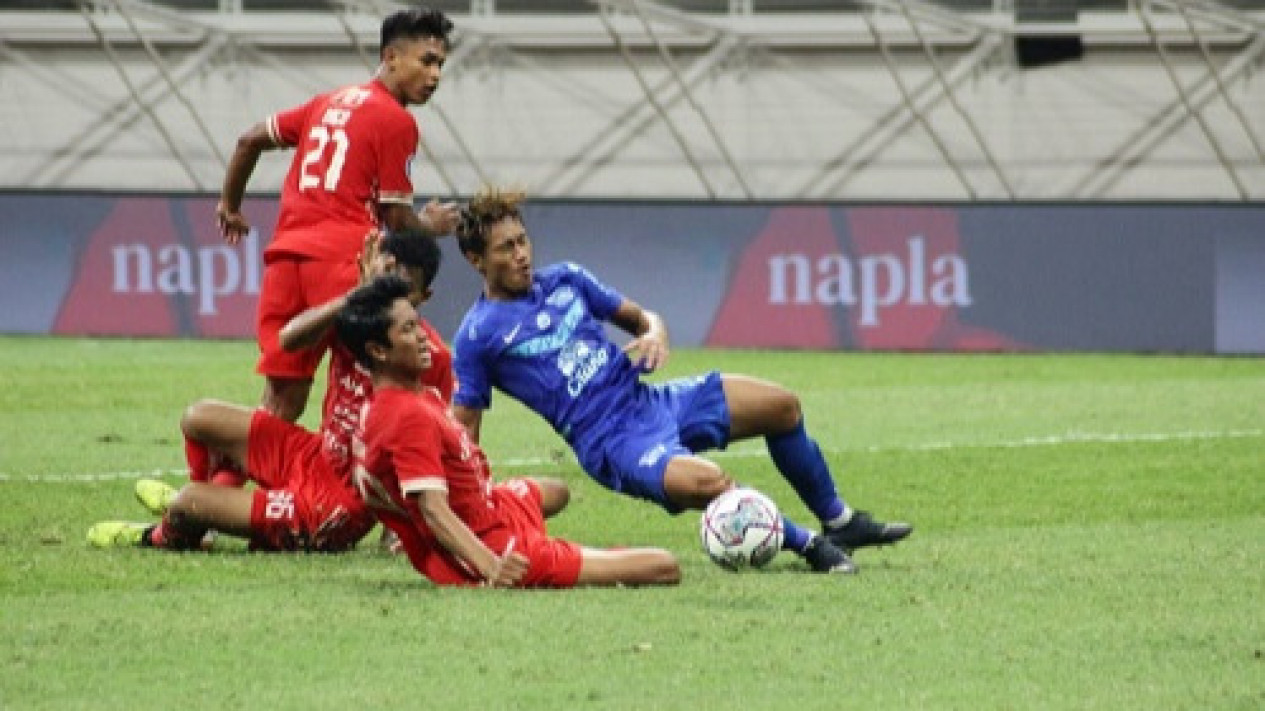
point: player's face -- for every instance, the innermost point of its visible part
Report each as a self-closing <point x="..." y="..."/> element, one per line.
<point x="414" y="66"/>
<point x="506" y="263"/>
<point x="410" y="348"/>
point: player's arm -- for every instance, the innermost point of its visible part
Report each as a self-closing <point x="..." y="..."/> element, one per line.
<point x="436" y="219"/>
<point x="228" y="213"/>
<point x="454" y="535"/>
<point x="649" y="345"/>
<point x="470" y="418"/>
<point x="308" y="328"/>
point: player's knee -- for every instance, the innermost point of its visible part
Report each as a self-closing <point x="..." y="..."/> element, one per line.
<point x="706" y="485"/>
<point x="196" y="418"/>
<point x="714" y="483"/>
<point x="554" y="496"/>
<point x="181" y="512"/>
<point x="691" y="483"/>
<point x="785" y="411"/>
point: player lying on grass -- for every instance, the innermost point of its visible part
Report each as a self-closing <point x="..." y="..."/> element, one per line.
<point x="421" y="475"/>
<point x="305" y="499"/>
<point x="539" y="337"/>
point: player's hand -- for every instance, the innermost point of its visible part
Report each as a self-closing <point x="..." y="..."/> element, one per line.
<point x="440" y="219"/>
<point x="233" y="225"/>
<point x="368" y="254"/>
<point x="648" y="352"/>
<point x="510" y="568"/>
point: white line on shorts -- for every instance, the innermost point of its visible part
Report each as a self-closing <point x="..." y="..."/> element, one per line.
<point x="752" y="450"/>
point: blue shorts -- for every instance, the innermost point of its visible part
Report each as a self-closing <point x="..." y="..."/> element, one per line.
<point x="630" y="452"/>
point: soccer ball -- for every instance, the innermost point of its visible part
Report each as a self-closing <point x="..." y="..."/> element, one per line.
<point x="741" y="528"/>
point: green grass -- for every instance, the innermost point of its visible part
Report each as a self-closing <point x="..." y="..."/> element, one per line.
<point x="1090" y="534"/>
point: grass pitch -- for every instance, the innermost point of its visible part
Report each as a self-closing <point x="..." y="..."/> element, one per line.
<point x="1090" y="534"/>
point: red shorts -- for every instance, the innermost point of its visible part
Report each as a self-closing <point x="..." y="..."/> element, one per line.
<point x="291" y="285"/>
<point x="301" y="504"/>
<point x="552" y="562"/>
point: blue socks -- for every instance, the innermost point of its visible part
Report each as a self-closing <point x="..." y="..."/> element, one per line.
<point x="801" y="463"/>
<point x="794" y="536"/>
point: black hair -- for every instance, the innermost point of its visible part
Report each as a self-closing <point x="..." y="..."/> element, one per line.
<point x="414" y="23"/>
<point x="366" y="317"/>
<point x="416" y="250"/>
<point x="488" y="207"/>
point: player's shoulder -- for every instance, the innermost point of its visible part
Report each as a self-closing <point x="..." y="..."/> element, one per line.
<point x="561" y="272"/>
<point x="476" y="326"/>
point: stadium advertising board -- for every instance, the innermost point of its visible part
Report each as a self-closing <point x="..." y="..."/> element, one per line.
<point x="1171" y="278"/>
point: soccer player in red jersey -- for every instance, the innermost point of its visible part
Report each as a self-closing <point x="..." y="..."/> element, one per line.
<point x="353" y="150"/>
<point x="419" y="472"/>
<point x="305" y="499"/>
<point x="408" y="254"/>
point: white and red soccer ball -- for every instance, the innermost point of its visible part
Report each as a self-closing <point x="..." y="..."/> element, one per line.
<point x="741" y="528"/>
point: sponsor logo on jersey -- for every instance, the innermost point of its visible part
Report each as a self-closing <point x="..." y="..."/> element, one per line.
<point x="579" y="362"/>
<point x="550" y="342"/>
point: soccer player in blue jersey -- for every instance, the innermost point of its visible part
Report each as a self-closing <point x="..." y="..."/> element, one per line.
<point x="538" y="336"/>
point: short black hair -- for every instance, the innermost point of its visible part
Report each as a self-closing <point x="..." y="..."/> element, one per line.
<point x="414" y="23"/>
<point x="488" y="206"/>
<point x="366" y="317"/>
<point x="416" y="250"/>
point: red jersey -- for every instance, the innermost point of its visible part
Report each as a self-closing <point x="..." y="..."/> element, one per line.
<point x="350" y="387"/>
<point x="354" y="147"/>
<point x="411" y="443"/>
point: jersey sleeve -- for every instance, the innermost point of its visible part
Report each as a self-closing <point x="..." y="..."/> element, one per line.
<point x="285" y="128"/>
<point x="473" y="387"/>
<point x="416" y="450"/>
<point x="397" y="145"/>
<point x="603" y="300"/>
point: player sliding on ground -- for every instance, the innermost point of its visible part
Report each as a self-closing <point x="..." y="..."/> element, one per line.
<point x="419" y="472"/>
<point x="305" y="500"/>
<point x="538" y="336"/>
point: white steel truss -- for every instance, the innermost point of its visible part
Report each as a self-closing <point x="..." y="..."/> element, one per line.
<point x="862" y="99"/>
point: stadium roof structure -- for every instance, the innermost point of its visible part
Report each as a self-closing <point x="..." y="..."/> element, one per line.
<point x="693" y="99"/>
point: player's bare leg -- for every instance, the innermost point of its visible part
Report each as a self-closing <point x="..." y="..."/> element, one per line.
<point x="196" y="510"/>
<point x="202" y="507"/>
<point x="629" y="566"/>
<point x="224" y="428"/>
<point x="758" y="407"/>
<point x="286" y="397"/>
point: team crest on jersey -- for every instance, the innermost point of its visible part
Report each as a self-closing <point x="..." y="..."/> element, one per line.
<point x="561" y="297"/>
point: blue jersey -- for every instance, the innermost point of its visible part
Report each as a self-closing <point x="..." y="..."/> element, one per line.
<point x="547" y="349"/>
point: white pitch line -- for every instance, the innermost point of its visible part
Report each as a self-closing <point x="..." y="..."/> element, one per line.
<point x="753" y="450"/>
